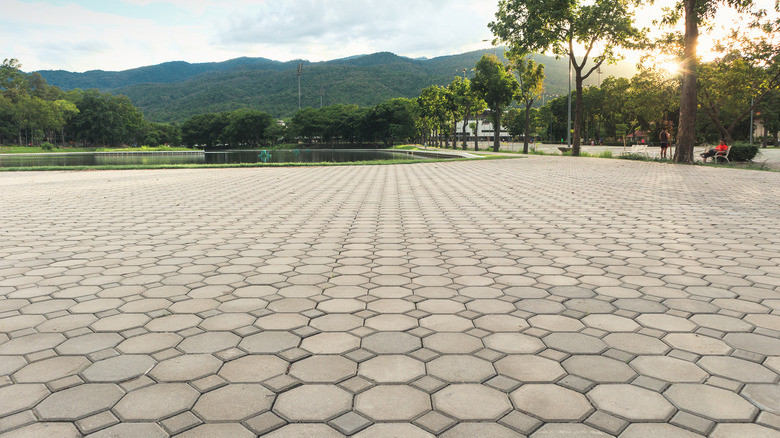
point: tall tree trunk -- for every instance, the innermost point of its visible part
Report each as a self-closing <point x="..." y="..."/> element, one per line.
<point x="497" y="130"/>
<point x="527" y="126"/>
<point x="575" y="143"/>
<point x="686" y="137"/>
<point x="465" y="121"/>
<point x="476" y="134"/>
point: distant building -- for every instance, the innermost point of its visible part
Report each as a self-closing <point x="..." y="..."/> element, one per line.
<point x="484" y="130"/>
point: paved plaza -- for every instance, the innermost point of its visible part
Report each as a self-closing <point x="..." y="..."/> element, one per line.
<point x="542" y="296"/>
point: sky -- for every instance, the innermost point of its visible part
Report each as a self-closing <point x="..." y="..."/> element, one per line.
<point x="81" y="35"/>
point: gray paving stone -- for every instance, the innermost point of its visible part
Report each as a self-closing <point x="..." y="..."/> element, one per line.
<point x="323" y="369"/>
<point x="64" y="430"/>
<point x="156" y="402"/>
<point x="551" y="402"/>
<point x="530" y="368"/>
<point x="218" y="430"/>
<point x="312" y="403"/>
<point x="50" y="369"/>
<point x="20" y="397"/>
<point x="392" y="403"/>
<point x="714" y="403"/>
<point x="472" y="402"/>
<point x="460" y="369"/>
<point x="391" y="368"/>
<point x="131" y="429"/>
<point x="119" y="368"/>
<point x="631" y="402"/>
<point x="78" y="402"/>
<point x="234" y="402"/>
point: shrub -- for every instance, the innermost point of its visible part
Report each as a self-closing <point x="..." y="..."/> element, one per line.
<point x="743" y="152"/>
<point x="47" y="146"/>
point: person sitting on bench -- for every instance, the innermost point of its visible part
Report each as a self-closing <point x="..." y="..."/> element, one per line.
<point x="722" y="147"/>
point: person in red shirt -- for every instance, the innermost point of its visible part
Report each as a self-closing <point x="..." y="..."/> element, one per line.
<point x="711" y="153"/>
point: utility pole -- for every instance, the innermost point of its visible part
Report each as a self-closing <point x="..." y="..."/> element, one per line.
<point x="300" y="70"/>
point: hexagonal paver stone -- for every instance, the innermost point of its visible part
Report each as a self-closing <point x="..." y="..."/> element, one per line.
<point x="185" y="368"/>
<point x="470" y="430"/>
<point x="118" y="323"/>
<point x="752" y="342"/>
<point x="472" y="402"/>
<point x="737" y="369"/>
<point x="631" y="402"/>
<point x="514" y="343"/>
<point x="59" y="430"/>
<point x="209" y="342"/>
<point x="391" y="343"/>
<point x="304" y="430"/>
<point x="156" y="402"/>
<point x="766" y="397"/>
<point x="323" y="369"/>
<point x="31" y="343"/>
<point x="575" y="343"/>
<point x="452" y="343"/>
<point x="11" y="364"/>
<point x="50" y="369"/>
<point x="530" y="368"/>
<point x="611" y="323"/>
<point x="336" y="322"/>
<point x="269" y="342"/>
<point x="391" y="368"/>
<point x="743" y="430"/>
<point x="697" y="343"/>
<point x="78" y="402"/>
<point x="145" y="430"/>
<point x="446" y="323"/>
<point x="20" y="397"/>
<point x="253" y="368"/>
<point x="600" y="369"/>
<point x="173" y="323"/>
<point x="501" y="323"/>
<point x="89" y="343"/>
<point x="149" y="343"/>
<point x="714" y="403"/>
<point x="330" y="343"/>
<point x="312" y="403"/>
<point x="218" y="430"/>
<point x="388" y="430"/>
<point x="667" y="323"/>
<point x="119" y="368"/>
<point x="669" y="369"/>
<point x="461" y="369"/>
<point x="556" y="323"/>
<point x="643" y="430"/>
<point x="636" y="343"/>
<point x="282" y="321"/>
<point x="392" y="403"/>
<point x="557" y="430"/>
<point x="234" y="402"/>
<point x="391" y="323"/>
<point x="551" y="402"/>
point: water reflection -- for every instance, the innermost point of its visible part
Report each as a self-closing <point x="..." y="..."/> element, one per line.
<point x="222" y="157"/>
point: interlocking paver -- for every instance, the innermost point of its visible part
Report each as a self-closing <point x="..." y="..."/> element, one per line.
<point x="379" y="301"/>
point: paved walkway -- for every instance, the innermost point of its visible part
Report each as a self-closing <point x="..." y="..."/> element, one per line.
<point x="546" y="296"/>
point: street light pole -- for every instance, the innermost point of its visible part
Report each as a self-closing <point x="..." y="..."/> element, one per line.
<point x="300" y="70"/>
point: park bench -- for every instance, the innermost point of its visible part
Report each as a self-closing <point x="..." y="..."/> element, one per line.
<point x="722" y="154"/>
<point x="636" y="149"/>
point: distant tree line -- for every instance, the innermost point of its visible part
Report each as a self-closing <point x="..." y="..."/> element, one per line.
<point x="33" y="113"/>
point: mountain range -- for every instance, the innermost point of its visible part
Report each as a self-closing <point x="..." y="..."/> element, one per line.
<point x="176" y="91"/>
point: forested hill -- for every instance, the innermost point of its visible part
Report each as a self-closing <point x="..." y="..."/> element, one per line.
<point x="175" y="91"/>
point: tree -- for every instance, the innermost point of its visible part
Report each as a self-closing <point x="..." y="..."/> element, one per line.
<point x="497" y="87"/>
<point x="695" y="12"/>
<point x="247" y="127"/>
<point x="539" y="26"/>
<point x="432" y="104"/>
<point x="531" y="79"/>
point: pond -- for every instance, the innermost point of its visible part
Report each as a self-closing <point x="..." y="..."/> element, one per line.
<point x="200" y="157"/>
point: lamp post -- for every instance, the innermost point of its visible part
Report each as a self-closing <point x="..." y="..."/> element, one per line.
<point x="300" y="70"/>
